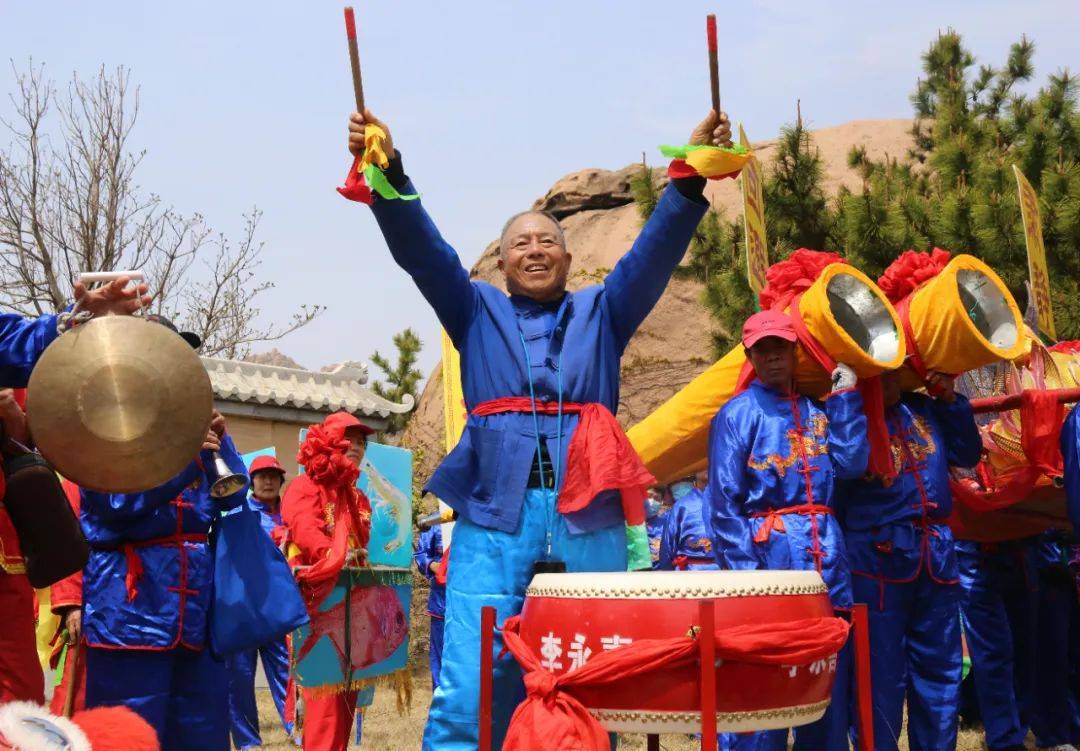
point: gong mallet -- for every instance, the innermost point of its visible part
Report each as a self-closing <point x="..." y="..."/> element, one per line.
<point x="354" y="58"/>
<point x="714" y="66"/>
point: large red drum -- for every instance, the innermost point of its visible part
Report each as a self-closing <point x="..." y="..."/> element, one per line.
<point x="567" y="618"/>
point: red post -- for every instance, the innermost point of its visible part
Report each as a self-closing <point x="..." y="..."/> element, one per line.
<point x="652" y="742"/>
<point x="487" y="674"/>
<point x="1006" y="402"/>
<point x="860" y="625"/>
<point x="707" y="645"/>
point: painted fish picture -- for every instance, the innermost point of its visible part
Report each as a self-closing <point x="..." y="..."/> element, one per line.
<point x="360" y="631"/>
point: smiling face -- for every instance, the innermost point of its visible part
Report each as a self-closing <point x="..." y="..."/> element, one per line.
<point x="773" y="359"/>
<point x="534" y="259"/>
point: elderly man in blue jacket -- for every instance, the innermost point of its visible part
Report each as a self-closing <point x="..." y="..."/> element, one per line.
<point x="904" y="567"/>
<point x="532" y="363"/>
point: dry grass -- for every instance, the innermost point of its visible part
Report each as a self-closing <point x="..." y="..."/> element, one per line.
<point x="384" y="730"/>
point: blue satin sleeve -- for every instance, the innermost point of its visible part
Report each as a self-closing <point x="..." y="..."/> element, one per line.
<point x="236" y="464"/>
<point x="1070" y="451"/>
<point x="727" y="491"/>
<point x="963" y="444"/>
<point x="669" y="540"/>
<point x="427" y="552"/>
<point x="634" y="286"/>
<point x="849" y="449"/>
<point x="22" y="340"/>
<point x="129" y="506"/>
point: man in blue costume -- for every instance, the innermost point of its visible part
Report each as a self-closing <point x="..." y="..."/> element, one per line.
<point x="532" y="363"/>
<point x="686" y="541"/>
<point x="903" y="564"/>
<point x="428" y="556"/>
<point x="774" y="457"/>
<point x="267" y="477"/>
<point x="146" y="595"/>
<point x="655" y="514"/>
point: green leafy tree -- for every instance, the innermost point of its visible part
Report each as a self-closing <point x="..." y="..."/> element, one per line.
<point x="956" y="187"/>
<point x="401" y="378"/>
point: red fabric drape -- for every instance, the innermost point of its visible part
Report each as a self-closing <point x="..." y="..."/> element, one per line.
<point x="356" y="187"/>
<point x="553" y="719"/>
<point x="599" y="456"/>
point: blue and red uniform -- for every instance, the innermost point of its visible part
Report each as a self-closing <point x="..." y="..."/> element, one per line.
<point x="774" y="460"/>
<point x="546" y="354"/>
<point x="903" y="565"/>
<point x="429" y="550"/>
<point x="243" y="712"/>
<point x="686" y="543"/>
<point x="146" y="596"/>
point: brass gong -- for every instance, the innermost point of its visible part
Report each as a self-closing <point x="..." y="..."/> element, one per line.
<point x="119" y="404"/>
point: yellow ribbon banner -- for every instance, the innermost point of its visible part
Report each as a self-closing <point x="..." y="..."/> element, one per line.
<point x="1036" y="253"/>
<point x="757" y="249"/>
<point x="453" y="397"/>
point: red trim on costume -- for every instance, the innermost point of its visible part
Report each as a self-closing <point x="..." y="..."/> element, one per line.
<point x="683" y="562"/>
<point x="924" y="523"/>
<point x="599" y="457"/>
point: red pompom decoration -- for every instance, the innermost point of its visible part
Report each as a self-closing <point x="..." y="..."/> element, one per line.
<point x="794" y="275"/>
<point x="911" y="269"/>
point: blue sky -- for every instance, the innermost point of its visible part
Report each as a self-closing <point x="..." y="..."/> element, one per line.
<point x="245" y="104"/>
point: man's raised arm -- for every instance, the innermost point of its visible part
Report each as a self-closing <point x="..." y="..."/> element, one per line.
<point x="415" y="241"/>
<point x="638" y="280"/>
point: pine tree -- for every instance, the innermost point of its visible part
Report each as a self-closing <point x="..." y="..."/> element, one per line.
<point x="401" y="378"/>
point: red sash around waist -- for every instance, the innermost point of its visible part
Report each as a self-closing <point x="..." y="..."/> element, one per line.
<point x="134" y="563"/>
<point x="774" y="518"/>
<point x="599" y="455"/>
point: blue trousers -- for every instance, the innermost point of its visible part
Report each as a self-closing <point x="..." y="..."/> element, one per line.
<point x="1054" y="718"/>
<point x="830" y="733"/>
<point x="435" y="647"/>
<point x="997" y="604"/>
<point x="493" y="568"/>
<point x="182" y="693"/>
<point x="243" y="714"/>
<point x="915" y="654"/>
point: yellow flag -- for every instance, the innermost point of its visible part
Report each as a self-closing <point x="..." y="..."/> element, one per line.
<point x="1036" y="253"/>
<point x="757" y="249"/>
<point x="453" y="397"/>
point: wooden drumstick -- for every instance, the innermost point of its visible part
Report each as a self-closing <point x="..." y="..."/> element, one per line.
<point x="354" y="59"/>
<point x="73" y="684"/>
<point x="714" y="68"/>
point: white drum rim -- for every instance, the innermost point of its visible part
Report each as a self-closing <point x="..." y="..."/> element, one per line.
<point x="649" y="721"/>
<point x="682" y="585"/>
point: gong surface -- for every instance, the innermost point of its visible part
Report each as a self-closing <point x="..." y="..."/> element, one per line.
<point x="119" y="404"/>
<point x="863" y="316"/>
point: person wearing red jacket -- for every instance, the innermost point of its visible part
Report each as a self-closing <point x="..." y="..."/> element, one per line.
<point x="21" y="678"/>
<point x="329" y="520"/>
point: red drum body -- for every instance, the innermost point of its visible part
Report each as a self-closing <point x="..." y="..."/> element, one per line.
<point x="567" y="618"/>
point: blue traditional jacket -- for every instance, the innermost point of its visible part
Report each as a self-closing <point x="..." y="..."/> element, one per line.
<point x="1070" y="451"/>
<point x="895" y="528"/>
<point x="268" y="520"/>
<point x="686" y="543"/>
<point x="654" y="529"/>
<point x="769" y="452"/>
<point x="147" y="584"/>
<point x="22" y="340"/>
<point x="571" y="348"/>
<point x="429" y="550"/>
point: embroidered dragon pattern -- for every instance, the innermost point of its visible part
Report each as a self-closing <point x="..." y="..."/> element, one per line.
<point x="813" y="441"/>
<point x="920" y="446"/>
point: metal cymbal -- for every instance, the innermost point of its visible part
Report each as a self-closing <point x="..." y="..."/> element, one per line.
<point x="119" y="404"/>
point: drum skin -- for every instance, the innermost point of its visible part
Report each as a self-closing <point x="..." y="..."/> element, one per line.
<point x="570" y="616"/>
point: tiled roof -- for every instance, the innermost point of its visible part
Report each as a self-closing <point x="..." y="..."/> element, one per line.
<point x="340" y="389"/>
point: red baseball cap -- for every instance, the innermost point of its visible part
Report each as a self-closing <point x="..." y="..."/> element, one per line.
<point x="265" y="463"/>
<point x="343" y="421"/>
<point x="767" y="323"/>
